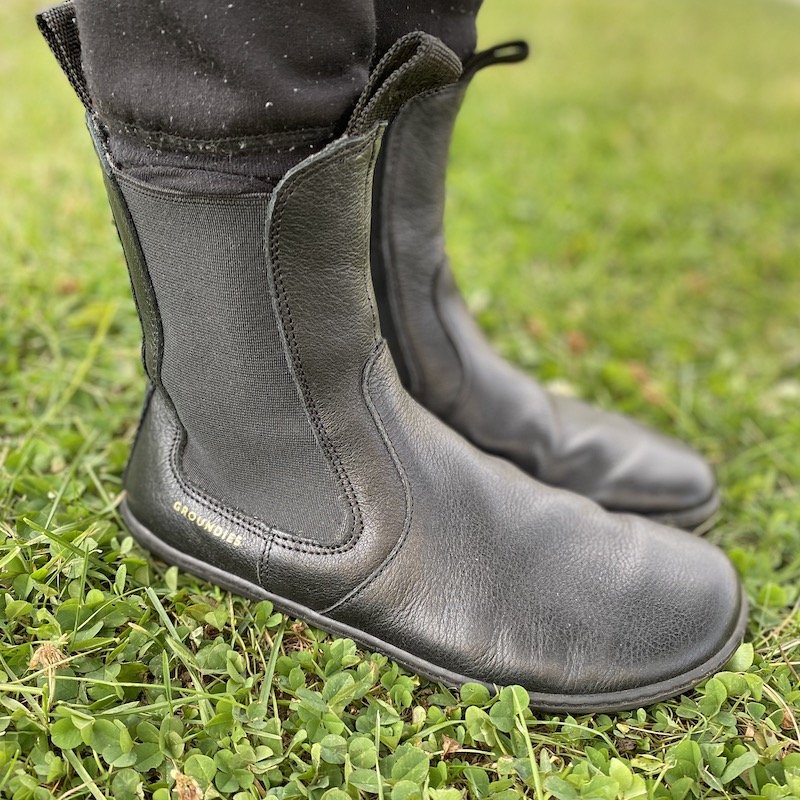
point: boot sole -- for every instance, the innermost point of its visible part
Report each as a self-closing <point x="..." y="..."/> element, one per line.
<point x="690" y="518"/>
<point x="548" y="702"/>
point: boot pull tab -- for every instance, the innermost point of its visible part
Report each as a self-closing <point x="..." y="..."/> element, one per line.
<point x="506" y="53"/>
<point x="415" y="64"/>
<point x="59" y="26"/>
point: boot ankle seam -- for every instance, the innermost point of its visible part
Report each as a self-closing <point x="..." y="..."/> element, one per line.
<point x="260" y="560"/>
<point x="262" y="568"/>
<point x="369" y="287"/>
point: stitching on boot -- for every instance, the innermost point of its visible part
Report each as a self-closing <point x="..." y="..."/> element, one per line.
<point x="250" y="524"/>
<point x="285" y="315"/>
<point x="263" y="567"/>
<point x="367" y="394"/>
<point x="285" y="540"/>
<point x="369" y="178"/>
<point x="260" y="560"/>
<point x="232" y="515"/>
<point x="311" y="409"/>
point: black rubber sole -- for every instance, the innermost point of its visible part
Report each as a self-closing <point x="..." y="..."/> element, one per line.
<point x="544" y="701"/>
<point x="688" y="519"/>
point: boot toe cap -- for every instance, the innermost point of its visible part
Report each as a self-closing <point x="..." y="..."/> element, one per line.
<point x="667" y="613"/>
<point x="686" y="607"/>
<point x="627" y="467"/>
<point x="661" y="478"/>
<point x="660" y="611"/>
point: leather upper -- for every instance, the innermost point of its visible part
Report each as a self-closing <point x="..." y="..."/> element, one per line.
<point x="448" y="365"/>
<point x="459" y="558"/>
<point x="522" y="583"/>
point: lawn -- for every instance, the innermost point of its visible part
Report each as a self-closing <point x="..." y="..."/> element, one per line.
<point x="624" y="220"/>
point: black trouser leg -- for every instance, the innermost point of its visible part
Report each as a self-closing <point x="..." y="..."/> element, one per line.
<point x="226" y="95"/>
<point x="452" y="21"/>
<point x="235" y="90"/>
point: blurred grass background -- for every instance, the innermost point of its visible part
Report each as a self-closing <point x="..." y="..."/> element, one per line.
<point x="623" y="217"/>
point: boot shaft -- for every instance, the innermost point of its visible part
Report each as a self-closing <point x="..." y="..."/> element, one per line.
<point x="259" y="321"/>
<point x="411" y="272"/>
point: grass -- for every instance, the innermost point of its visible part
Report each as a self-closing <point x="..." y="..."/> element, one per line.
<point x="623" y="219"/>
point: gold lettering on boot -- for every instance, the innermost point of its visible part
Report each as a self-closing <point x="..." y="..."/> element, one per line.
<point x="207" y="525"/>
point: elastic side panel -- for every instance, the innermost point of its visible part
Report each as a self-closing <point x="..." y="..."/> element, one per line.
<point x="249" y="441"/>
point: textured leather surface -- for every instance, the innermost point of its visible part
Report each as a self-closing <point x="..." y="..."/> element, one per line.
<point x="505" y="578"/>
<point x="449" y="366"/>
<point x="460" y="558"/>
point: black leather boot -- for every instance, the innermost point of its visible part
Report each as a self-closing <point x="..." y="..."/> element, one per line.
<point x="280" y="457"/>
<point x="448" y="365"/>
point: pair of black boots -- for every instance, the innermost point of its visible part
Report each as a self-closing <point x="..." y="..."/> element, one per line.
<point x="287" y="452"/>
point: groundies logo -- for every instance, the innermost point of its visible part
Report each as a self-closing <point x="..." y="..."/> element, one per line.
<point x="207" y="525"/>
